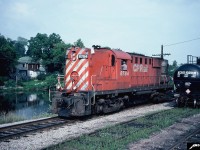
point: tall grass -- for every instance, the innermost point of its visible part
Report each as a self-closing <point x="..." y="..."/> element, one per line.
<point x="12" y="117"/>
<point x="44" y="115"/>
<point x="9" y="117"/>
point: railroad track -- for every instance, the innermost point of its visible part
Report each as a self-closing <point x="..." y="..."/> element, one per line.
<point x="15" y="131"/>
<point x="22" y="129"/>
<point x="192" y="138"/>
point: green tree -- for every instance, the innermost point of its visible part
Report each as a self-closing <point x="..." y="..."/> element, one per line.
<point x="20" y="45"/>
<point x="172" y="68"/>
<point x="8" y="57"/>
<point x="79" y="43"/>
<point x="59" y="56"/>
<point x="50" y="49"/>
<point x="48" y="53"/>
<point x="174" y="64"/>
<point x="38" y="46"/>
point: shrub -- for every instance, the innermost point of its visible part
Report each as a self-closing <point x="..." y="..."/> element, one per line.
<point x="51" y="80"/>
<point x="41" y="77"/>
<point x="2" y="80"/>
<point x="10" y="83"/>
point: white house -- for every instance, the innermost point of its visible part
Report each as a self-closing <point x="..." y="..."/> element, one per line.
<point x="28" y="68"/>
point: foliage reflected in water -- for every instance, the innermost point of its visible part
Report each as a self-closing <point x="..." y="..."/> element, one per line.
<point x="23" y="106"/>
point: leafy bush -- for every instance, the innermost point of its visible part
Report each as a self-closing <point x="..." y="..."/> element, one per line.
<point x="10" y="83"/>
<point x="41" y="77"/>
<point x="2" y="80"/>
<point x="51" y="80"/>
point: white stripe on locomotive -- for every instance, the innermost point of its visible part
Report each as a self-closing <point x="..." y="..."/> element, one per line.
<point x="76" y="68"/>
<point x="71" y="63"/>
<point x="83" y="68"/>
<point x="84" y="86"/>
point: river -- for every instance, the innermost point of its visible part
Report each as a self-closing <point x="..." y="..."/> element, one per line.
<point x="24" y="105"/>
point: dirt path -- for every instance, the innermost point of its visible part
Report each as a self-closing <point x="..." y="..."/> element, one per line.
<point x="169" y="136"/>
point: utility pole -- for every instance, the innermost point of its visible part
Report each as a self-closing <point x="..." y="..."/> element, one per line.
<point x="162" y="54"/>
<point x="161" y="51"/>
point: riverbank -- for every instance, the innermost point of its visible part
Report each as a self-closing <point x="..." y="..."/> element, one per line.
<point x="28" y="99"/>
<point x="38" y="84"/>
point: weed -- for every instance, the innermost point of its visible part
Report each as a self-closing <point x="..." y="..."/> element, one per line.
<point x="119" y="136"/>
<point x="9" y="118"/>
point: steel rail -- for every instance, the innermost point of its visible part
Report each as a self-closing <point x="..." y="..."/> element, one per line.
<point x="18" y="130"/>
<point x="182" y="142"/>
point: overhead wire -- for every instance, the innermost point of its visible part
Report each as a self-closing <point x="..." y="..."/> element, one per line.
<point x="182" y="42"/>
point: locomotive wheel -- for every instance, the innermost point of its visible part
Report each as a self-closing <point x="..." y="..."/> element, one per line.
<point x="155" y="99"/>
<point x="178" y="103"/>
<point x="99" y="108"/>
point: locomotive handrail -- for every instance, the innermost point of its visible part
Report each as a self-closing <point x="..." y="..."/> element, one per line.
<point x="94" y="101"/>
<point x="61" y="75"/>
<point x="88" y="102"/>
<point x="58" y="85"/>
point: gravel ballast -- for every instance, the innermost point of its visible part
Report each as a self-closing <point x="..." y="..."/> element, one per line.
<point x="52" y="137"/>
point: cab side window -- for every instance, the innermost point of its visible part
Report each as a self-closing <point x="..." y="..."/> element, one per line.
<point x="113" y="60"/>
<point x="124" y="65"/>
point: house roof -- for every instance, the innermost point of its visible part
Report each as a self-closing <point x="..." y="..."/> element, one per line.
<point x="26" y="59"/>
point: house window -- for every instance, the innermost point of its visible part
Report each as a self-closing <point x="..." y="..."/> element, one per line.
<point x="23" y="65"/>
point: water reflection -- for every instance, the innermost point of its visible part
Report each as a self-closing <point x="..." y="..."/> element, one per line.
<point x="26" y="105"/>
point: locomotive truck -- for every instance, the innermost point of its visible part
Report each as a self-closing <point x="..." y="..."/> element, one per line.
<point x="187" y="83"/>
<point x="103" y="80"/>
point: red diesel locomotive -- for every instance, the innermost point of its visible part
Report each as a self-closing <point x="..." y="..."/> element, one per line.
<point x="103" y="80"/>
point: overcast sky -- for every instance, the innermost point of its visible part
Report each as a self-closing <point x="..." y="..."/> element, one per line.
<point x="132" y="25"/>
